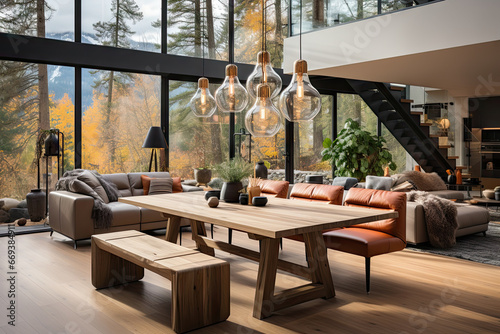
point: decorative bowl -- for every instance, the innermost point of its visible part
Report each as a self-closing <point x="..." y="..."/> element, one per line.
<point x="259" y="200"/>
<point x="212" y="193"/>
<point x="489" y="193"/>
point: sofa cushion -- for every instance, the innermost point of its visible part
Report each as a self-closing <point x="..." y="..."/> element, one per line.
<point x="124" y="214"/>
<point x="177" y="185"/>
<point x="136" y="182"/>
<point x="160" y="186"/>
<point x="121" y="181"/>
<point x="378" y="182"/>
<point x="92" y="181"/>
<point x="448" y="194"/>
<point x="471" y="215"/>
<point x="346" y="182"/>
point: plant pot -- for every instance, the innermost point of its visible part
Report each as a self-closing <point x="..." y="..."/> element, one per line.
<point x="36" y="204"/>
<point x="261" y="170"/>
<point x="229" y="192"/>
<point x="202" y="176"/>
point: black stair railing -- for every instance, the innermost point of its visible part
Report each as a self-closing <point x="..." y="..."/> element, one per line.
<point x="400" y="123"/>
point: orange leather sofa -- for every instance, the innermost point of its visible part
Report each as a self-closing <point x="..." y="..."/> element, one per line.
<point x="371" y="239"/>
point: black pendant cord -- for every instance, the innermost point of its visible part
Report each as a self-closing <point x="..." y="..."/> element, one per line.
<point x="300" y="34"/>
<point x="203" y="44"/>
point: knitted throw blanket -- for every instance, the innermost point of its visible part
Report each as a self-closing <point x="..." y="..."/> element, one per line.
<point x="440" y="218"/>
<point x="101" y="212"/>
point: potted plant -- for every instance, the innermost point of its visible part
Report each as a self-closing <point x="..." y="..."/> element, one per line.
<point x="202" y="175"/>
<point x="357" y="153"/>
<point x="232" y="172"/>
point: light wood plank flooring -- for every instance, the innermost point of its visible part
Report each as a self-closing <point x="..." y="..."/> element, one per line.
<point x="411" y="293"/>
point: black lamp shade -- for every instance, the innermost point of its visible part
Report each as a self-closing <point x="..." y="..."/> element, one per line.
<point x="155" y="138"/>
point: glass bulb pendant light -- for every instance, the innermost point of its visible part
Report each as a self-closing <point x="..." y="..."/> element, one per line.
<point x="203" y="103"/>
<point x="263" y="119"/>
<point x="300" y="101"/>
<point x="263" y="73"/>
<point x="231" y="96"/>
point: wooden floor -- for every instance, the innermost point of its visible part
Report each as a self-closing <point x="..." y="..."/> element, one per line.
<point x="411" y="293"/>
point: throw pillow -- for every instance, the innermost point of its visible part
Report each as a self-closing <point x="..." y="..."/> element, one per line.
<point x="378" y="182"/>
<point x="177" y="186"/>
<point x="404" y="187"/>
<point x="346" y="182"/>
<point x="92" y="181"/>
<point x="146" y="180"/>
<point x="160" y="186"/>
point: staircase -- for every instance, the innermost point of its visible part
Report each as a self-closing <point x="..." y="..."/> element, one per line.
<point x="394" y="112"/>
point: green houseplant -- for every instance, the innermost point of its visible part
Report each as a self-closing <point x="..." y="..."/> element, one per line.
<point x="232" y="172"/>
<point x="357" y="153"/>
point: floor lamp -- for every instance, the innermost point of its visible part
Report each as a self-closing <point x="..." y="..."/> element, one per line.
<point x="154" y="140"/>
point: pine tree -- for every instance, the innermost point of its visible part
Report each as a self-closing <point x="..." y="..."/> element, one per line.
<point x="115" y="32"/>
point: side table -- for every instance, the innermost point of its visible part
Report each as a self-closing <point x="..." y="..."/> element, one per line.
<point x="467" y="187"/>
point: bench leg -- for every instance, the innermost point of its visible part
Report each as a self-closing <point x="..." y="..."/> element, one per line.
<point x="109" y="270"/>
<point x="200" y="297"/>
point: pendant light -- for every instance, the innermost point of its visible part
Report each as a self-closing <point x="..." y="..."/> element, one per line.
<point x="263" y="119"/>
<point x="300" y="101"/>
<point x="263" y="71"/>
<point x="231" y="96"/>
<point x="203" y="103"/>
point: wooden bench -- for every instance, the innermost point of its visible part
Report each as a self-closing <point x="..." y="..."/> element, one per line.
<point x="200" y="283"/>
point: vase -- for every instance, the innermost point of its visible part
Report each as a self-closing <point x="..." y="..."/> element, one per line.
<point x="229" y="192"/>
<point x="261" y="170"/>
<point x="36" y="204"/>
<point x="452" y="179"/>
<point x="497" y="195"/>
<point x="202" y="176"/>
<point x="52" y="144"/>
<point x="458" y="173"/>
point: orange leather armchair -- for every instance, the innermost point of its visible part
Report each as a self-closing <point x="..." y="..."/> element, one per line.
<point x="371" y="239"/>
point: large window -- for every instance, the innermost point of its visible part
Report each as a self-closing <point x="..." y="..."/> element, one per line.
<point x="308" y="143"/>
<point x="29" y="102"/>
<point x="198" y="28"/>
<point x="194" y="141"/>
<point x="124" y="106"/>
<point x="131" y="24"/>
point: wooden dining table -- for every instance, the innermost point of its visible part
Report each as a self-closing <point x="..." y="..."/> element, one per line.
<point x="278" y="219"/>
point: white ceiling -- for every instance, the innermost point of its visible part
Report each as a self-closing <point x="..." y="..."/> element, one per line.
<point x="472" y="70"/>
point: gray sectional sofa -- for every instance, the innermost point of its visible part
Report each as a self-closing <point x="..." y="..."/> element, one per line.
<point x="70" y="213"/>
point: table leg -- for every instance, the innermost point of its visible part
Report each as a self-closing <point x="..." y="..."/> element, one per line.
<point x="266" y="278"/>
<point x="317" y="258"/>
<point x="198" y="229"/>
<point x="173" y="225"/>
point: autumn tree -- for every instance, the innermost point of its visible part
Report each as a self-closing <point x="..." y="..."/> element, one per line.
<point x="115" y="32"/>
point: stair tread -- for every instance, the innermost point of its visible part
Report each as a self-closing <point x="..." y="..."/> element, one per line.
<point x="417" y="113"/>
<point x="466" y="175"/>
<point x="406" y="101"/>
<point x="453" y="157"/>
<point x="461" y="167"/>
<point x="445" y="146"/>
<point x="400" y="88"/>
<point x="425" y="124"/>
